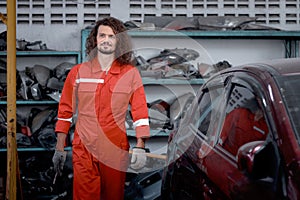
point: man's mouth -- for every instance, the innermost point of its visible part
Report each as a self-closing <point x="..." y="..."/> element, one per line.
<point x="106" y="45"/>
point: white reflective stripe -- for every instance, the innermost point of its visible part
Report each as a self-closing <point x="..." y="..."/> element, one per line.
<point x="89" y="80"/>
<point x="140" y="122"/>
<point x="68" y="120"/>
<point x="259" y="130"/>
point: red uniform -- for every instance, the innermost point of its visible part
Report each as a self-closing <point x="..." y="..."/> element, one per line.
<point x="240" y="127"/>
<point x="100" y="144"/>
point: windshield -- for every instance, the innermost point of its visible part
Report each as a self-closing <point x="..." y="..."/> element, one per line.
<point x="289" y="86"/>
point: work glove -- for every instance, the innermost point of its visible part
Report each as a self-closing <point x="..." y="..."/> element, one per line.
<point x="138" y="158"/>
<point x="58" y="160"/>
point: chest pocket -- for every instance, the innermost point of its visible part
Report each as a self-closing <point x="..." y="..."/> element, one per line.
<point x="120" y="96"/>
<point x="86" y="97"/>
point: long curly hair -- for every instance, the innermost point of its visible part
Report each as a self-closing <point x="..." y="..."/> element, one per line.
<point x="123" y="53"/>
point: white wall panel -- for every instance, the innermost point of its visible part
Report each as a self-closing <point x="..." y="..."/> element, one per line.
<point x="58" y="22"/>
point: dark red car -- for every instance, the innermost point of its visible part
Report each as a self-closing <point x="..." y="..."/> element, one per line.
<point x="240" y="138"/>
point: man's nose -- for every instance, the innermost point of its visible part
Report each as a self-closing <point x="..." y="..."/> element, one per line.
<point x="108" y="38"/>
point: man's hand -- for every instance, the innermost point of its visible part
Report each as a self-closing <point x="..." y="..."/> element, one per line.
<point x="58" y="160"/>
<point x="138" y="158"/>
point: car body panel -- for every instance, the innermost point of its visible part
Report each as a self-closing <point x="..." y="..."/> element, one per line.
<point x="203" y="150"/>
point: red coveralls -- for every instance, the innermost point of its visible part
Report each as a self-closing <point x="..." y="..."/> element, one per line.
<point x="100" y="144"/>
<point x="240" y="128"/>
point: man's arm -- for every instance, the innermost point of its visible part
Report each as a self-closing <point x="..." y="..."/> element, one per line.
<point x="60" y="144"/>
<point x="140" y="142"/>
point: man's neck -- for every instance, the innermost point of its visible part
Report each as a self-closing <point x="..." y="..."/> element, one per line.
<point x="105" y="61"/>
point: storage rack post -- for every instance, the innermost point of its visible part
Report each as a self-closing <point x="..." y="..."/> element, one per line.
<point x="12" y="161"/>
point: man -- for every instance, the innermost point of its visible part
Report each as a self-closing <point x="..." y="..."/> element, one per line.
<point x="99" y="92"/>
<point x="243" y="125"/>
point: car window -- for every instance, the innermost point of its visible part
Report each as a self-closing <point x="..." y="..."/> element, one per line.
<point x="289" y="87"/>
<point x="198" y="122"/>
<point x="205" y="113"/>
<point x="244" y="121"/>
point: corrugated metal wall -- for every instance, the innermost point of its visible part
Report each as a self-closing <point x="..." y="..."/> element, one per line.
<point x="284" y="14"/>
<point x="58" y="22"/>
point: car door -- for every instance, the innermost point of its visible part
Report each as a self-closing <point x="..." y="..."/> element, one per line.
<point x="196" y="135"/>
<point x="184" y="143"/>
<point x="200" y="123"/>
<point x="242" y="122"/>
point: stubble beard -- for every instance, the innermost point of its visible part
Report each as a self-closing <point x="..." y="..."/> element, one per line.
<point x="107" y="50"/>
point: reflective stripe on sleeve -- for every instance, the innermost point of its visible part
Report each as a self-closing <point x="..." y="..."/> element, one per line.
<point x="140" y="122"/>
<point x="67" y="120"/>
<point x="89" y="80"/>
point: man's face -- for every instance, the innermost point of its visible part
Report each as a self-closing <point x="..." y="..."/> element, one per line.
<point x="106" y="40"/>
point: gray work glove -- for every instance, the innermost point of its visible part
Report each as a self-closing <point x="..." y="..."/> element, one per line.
<point x="138" y="158"/>
<point x="58" y="160"/>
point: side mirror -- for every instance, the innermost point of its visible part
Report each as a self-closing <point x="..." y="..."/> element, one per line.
<point x="246" y="155"/>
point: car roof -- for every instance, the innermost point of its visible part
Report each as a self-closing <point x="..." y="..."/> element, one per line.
<point x="285" y="66"/>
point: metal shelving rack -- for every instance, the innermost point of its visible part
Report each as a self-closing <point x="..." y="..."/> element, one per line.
<point x="26" y="149"/>
<point x="290" y="38"/>
<point x="35" y="53"/>
<point x="75" y="54"/>
<point x="31" y="102"/>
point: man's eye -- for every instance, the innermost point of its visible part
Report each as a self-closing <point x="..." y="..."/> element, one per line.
<point x="112" y="36"/>
<point x="102" y="35"/>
